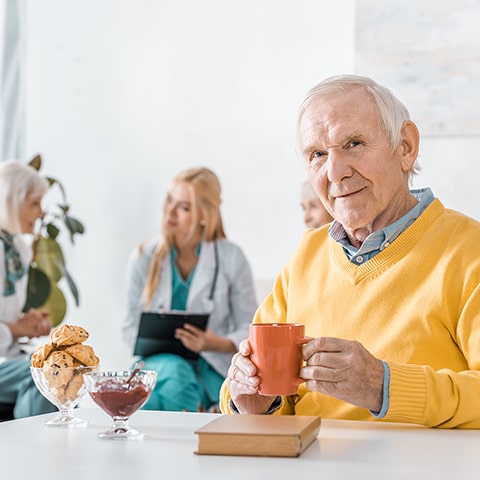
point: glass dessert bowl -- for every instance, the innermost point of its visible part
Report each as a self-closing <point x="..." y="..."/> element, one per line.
<point x="64" y="387"/>
<point x="120" y="394"/>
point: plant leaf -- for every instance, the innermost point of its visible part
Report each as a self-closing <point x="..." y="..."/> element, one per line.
<point x="52" y="230"/>
<point x="49" y="258"/>
<point x="48" y="265"/>
<point x="56" y="305"/>
<point x="38" y="288"/>
<point x="71" y="283"/>
<point x="64" y="208"/>
<point x="74" y="226"/>
<point x="36" y="162"/>
<point x="53" y="181"/>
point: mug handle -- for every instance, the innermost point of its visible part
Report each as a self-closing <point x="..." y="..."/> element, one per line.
<point x="298" y="381"/>
<point x="302" y="340"/>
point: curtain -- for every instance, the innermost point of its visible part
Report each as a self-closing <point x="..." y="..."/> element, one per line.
<point x="12" y="80"/>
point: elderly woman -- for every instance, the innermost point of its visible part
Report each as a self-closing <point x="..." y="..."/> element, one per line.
<point x="315" y="215"/>
<point x="21" y="192"/>
<point x="194" y="268"/>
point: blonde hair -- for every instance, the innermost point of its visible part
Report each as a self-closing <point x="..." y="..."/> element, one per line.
<point x="17" y="181"/>
<point x="206" y="200"/>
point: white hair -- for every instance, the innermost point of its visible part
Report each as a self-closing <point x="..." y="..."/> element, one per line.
<point x="392" y="112"/>
<point x="17" y="181"/>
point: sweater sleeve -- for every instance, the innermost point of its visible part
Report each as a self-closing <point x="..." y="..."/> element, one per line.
<point x="444" y="397"/>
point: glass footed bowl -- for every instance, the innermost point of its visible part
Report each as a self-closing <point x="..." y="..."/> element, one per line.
<point x="64" y="387"/>
<point x="120" y="394"/>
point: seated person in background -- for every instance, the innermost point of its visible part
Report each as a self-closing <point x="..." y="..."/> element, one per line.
<point x="390" y="293"/>
<point x="315" y="215"/>
<point x="21" y="193"/>
<point x="176" y="272"/>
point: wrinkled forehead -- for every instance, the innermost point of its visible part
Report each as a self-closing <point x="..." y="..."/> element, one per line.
<point x="337" y="116"/>
<point x="352" y="103"/>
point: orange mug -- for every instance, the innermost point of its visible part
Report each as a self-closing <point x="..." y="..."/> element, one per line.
<point x="277" y="354"/>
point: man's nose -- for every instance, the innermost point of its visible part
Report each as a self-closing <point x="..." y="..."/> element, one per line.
<point x="338" y="166"/>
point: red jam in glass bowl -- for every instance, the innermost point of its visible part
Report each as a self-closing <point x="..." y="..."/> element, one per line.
<point x="121" y="400"/>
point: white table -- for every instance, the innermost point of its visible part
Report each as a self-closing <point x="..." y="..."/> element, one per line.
<point x="344" y="450"/>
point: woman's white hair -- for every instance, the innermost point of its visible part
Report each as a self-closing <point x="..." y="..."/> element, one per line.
<point x="17" y="181"/>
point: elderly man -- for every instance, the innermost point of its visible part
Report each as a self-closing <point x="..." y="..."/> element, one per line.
<point x="389" y="293"/>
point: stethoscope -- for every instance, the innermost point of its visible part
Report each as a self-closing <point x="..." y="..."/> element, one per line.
<point x="208" y="303"/>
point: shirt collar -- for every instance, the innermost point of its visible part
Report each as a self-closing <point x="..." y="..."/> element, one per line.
<point x="381" y="239"/>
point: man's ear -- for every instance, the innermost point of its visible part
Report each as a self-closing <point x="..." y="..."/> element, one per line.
<point x="409" y="146"/>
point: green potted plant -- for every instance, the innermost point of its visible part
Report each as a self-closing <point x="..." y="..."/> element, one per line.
<point x="48" y="265"/>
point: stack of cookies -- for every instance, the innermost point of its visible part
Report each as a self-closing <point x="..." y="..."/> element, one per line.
<point x="60" y="359"/>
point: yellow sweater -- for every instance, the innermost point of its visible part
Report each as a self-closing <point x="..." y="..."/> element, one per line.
<point x="415" y="305"/>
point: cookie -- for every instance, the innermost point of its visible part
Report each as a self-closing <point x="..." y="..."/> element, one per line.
<point x="82" y="353"/>
<point x="59" y="359"/>
<point x="74" y="385"/>
<point x="68" y="335"/>
<point x="57" y="378"/>
<point x="41" y="354"/>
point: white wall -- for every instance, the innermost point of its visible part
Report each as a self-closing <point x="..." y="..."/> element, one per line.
<point x="450" y="167"/>
<point x="123" y="94"/>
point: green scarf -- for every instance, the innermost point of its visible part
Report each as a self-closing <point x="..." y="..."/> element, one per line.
<point x="14" y="269"/>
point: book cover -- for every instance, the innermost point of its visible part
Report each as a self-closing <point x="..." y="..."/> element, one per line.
<point x="258" y="435"/>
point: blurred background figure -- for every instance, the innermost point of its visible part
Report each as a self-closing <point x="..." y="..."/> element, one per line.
<point x="21" y="193"/>
<point x="192" y="267"/>
<point x="314" y="213"/>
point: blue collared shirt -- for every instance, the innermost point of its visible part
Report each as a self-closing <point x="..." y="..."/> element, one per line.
<point x="381" y="239"/>
<point x="374" y="244"/>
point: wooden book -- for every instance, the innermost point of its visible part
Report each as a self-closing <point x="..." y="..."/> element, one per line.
<point x="258" y="435"/>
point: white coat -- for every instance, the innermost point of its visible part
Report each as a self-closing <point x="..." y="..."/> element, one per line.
<point x="234" y="298"/>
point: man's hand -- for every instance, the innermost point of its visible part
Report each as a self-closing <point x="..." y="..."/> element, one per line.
<point x="243" y="383"/>
<point x="344" y="369"/>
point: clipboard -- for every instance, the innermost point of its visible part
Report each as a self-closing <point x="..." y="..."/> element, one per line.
<point x="156" y="333"/>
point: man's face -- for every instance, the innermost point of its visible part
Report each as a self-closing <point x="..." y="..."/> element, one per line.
<point x="350" y="162"/>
